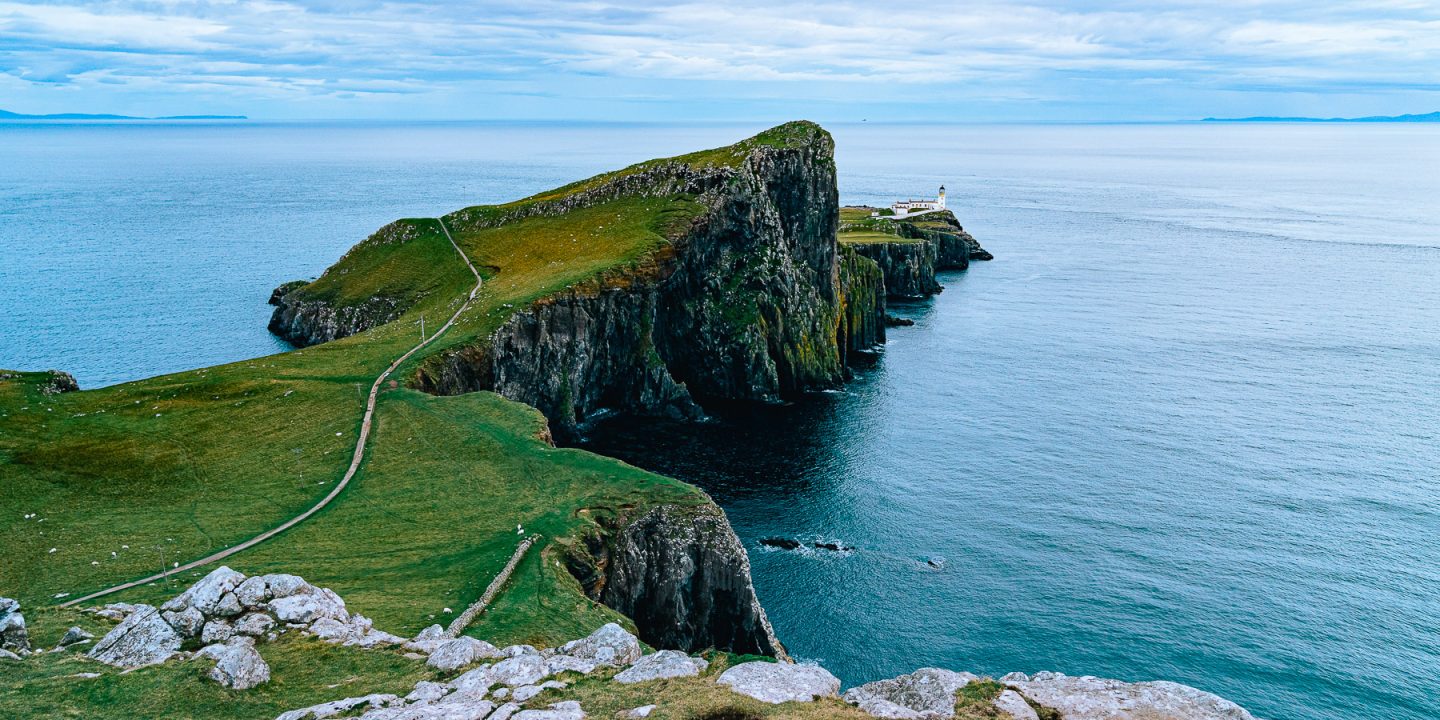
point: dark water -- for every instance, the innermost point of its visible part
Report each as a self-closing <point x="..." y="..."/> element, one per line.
<point x="1183" y="427"/>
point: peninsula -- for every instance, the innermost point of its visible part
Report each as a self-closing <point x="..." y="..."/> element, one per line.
<point x="379" y="525"/>
<point x="7" y="115"/>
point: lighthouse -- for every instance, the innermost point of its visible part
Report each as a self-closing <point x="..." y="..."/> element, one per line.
<point x="940" y="200"/>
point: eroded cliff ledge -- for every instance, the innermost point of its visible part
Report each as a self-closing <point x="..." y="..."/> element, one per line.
<point x="910" y="251"/>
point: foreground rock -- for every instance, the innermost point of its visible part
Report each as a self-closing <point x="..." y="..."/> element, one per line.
<point x="610" y="645"/>
<point x="462" y="651"/>
<point x="1091" y="698"/>
<point x="143" y="638"/>
<point x="13" y="635"/>
<point x="780" y="682"/>
<point x="924" y="694"/>
<point x="1013" y="705"/>
<point x="660" y="665"/>
<point x="237" y="664"/>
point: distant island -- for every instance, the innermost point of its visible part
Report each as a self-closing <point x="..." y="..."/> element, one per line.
<point x="1427" y="117"/>
<point x="7" y="115"/>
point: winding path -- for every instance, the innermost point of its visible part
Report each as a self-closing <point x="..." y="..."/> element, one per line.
<point x="355" y="460"/>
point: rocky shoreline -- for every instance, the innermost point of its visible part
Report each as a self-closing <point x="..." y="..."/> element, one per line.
<point x="228" y="618"/>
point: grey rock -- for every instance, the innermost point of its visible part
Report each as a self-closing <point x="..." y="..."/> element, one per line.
<point x="474" y="682"/>
<point x="13" y="635"/>
<point x="569" y="710"/>
<point x="253" y="592"/>
<point x="501" y="693"/>
<point x="254" y="624"/>
<point x="663" y="664"/>
<point x="143" y="638"/>
<point x="568" y="663"/>
<point x="426" y="691"/>
<point x="337" y="707"/>
<point x="505" y="712"/>
<point x="205" y="594"/>
<point x="7" y="655"/>
<point x="925" y="694"/>
<point x="217" y="631"/>
<point x="86" y="675"/>
<point x="610" y="645"/>
<point x="75" y="635"/>
<point x="1091" y="698"/>
<point x="525" y="692"/>
<point x="237" y="664"/>
<point x="282" y="586"/>
<point x="430" y="638"/>
<point x="188" y="622"/>
<point x="780" y="682"/>
<point x="332" y="630"/>
<point x="229" y="606"/>
<point x="1014" y="706"/>
<point x="640" y="712"/>
<point x="518" y="670"/>
<point x="309" y="604"/>
<point x="460" y="652"/>
<point x="510" y="651"/>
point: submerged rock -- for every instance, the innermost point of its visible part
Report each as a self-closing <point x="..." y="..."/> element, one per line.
<point x="143" y="638"/>
<point x="773" y="682"/>
<point x="663" y="664"/>
<point x="779" y="542"/>
<point x="924" y="694"/>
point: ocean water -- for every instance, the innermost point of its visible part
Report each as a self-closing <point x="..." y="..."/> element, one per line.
<point x="1186" y="426"/>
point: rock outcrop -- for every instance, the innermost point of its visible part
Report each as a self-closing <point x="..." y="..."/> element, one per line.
<point x="780" y="682"/>
<point x="143" y="638"/>
<point x="1092" y="698"/>
<point x="681" y="575"/>
<point x="908" y="266"/>
<point x="14" y="637"/>
<point x="661" y="665"/>
<point x="922" y="246"/>
<point x="237" y="664"/>
<point x="925" y="694"/>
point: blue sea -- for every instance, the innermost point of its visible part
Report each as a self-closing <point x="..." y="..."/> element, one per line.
<point x="1185" y="426"/>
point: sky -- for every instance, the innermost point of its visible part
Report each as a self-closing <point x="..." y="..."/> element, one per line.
<point x="722" y="60"/>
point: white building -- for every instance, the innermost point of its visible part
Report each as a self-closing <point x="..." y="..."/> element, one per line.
<point x="907" y="207"/>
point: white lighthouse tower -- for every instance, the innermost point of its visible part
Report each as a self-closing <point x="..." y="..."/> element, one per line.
<point x="940" y="200"/>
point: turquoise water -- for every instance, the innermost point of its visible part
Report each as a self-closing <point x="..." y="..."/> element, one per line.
<point x="1183" y="427"/>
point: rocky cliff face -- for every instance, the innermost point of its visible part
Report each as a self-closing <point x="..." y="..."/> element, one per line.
<point x="908" y="267"/>
<point x="682" y="575"/>
<point x="862" y="301"/>
<point x="744" y="306"/>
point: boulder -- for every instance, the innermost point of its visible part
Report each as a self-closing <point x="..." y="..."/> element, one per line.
<point x="7" y="655"/>
<point x="206" y="593"/>
<point x="13" y="635"/>
<point x="1012" y="705"/>
<point x="188" y="622"/>
<point x="510" y="651"/>
<point x="229" y="606"/>
<point x="460" y="652"/>
<point x="217" y="631"/>
<point x="518" y="670"/>
<point x="925" y="694"/>
<point x="337" y="707"/>
<point x="237" y="664"/>
<point x="1091" y="698"/>
<point x="114" y="611"/>
<point x="332" y="630"/>
<point x="426" y="692"/>
<point x="283" y="586"/>
<point x="253" y="593"/>
<point x="610" y="645"/>
<point x="663" y="664"/>
<point x="375" y="638"/>
<point x="254" y="624"/>
<point x="569" y="710"/>
<point x="640" y="712"/>
<point x="75" y="636"/>
<point x="430" y="638"/>
<point x="475" y="682"/>
<point x="309" y="604"/>
<point x="774" y="682"/>
<point x="143" y="638"/>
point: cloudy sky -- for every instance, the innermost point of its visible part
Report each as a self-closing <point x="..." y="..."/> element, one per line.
<point x="1096" y="60"/>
